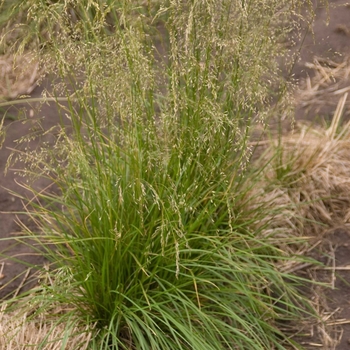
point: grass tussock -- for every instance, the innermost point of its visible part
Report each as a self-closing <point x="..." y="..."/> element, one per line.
<point x="156" y="234"/>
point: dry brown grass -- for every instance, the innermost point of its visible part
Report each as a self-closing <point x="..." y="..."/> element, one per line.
<point x="310" y="169"/>
<point x="19" y="330"/>
<point x="309" y="176"/>
<point x="329" y="81"/>
<point x="18" y="75"/>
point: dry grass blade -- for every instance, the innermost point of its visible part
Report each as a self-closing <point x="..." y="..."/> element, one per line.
<point x="22" y="282"/>
<point x="332" y="130"/>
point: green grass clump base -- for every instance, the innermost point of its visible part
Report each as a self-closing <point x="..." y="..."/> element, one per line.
<point x="165" y="257"/>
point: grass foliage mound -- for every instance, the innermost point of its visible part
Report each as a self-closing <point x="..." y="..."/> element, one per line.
<point x="153" y="237"/>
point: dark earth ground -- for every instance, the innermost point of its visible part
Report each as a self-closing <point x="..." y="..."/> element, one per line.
<point x="330" y="41"/>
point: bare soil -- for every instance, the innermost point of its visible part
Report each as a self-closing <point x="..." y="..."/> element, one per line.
<point x="19" y="262"/>
<point x="329" y="41"/>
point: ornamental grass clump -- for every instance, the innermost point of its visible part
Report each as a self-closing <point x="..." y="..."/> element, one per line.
<point x="148" y="224"/>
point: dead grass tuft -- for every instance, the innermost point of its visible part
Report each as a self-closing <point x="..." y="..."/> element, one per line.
<point x="309" y="177"/>
<point x="20" y="330"/>
<point x="310" y="170"/>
